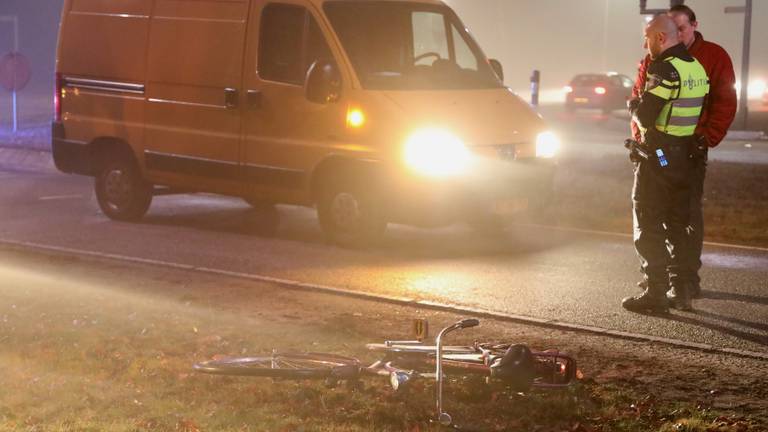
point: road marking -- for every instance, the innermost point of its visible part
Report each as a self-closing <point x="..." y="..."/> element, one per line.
<point x="60" y="197"/>
<point x="625" y="235"/>
<point x="401" y="301"/>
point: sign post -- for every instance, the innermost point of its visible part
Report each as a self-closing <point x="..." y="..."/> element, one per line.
<point x="10" y="70"/>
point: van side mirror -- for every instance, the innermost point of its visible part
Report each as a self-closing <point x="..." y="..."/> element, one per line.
<point x="498" y="69"/>
<point x="323" y="82"/>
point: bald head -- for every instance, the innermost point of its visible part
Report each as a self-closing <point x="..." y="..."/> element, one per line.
<point x="660" y="34"/>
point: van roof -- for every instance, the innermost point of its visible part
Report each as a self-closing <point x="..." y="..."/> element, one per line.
<point x="432" y="2"/>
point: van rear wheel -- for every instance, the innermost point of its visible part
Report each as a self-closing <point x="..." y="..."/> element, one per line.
<point x="350" y="215"/>
<point x="121" y="191"/>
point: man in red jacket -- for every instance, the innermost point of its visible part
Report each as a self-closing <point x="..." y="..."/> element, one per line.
<point x="716" y="118"/>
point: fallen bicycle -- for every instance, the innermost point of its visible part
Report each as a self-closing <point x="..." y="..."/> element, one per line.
<point x="403" y="361"/>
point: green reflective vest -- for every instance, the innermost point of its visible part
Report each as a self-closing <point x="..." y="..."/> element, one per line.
<point x="685" y="97"/>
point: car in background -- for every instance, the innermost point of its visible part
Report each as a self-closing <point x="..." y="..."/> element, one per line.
<point x="607" y="92"/>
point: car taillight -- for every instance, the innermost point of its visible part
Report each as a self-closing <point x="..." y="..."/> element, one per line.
<point x="57" y="98"/>
<point x="600" y="90"/>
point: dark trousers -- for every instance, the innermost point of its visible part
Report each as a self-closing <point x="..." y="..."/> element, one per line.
<point x="699" y="171"/>
<point x="663" y="235"/>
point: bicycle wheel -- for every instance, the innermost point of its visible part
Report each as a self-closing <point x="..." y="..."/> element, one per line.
<point x="289" y="366"/>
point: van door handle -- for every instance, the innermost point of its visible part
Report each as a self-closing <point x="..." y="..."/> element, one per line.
<point x="254" y="99"/>
<point x="231" y="98"/>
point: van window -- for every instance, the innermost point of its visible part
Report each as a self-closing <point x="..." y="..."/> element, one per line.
<point x="409" y="46"/>
<point x="290" y="41"/>
<point x="429" y="36"/>
<point x="464" y="56"/>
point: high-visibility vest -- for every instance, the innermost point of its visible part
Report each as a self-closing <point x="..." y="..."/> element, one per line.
<point x="685" y="97"/>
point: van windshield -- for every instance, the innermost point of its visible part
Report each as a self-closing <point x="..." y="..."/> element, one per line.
<point x="409" y="46"/>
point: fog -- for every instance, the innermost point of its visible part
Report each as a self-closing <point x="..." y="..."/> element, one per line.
<point x="558" y="37"/>
<point x="564" y="37"/>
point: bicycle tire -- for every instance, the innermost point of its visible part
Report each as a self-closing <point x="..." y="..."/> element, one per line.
<point x="288" y="366"/>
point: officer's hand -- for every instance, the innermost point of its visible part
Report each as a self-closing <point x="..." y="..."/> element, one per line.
<point x="632" y="104"/>
<point x="700" y="147"/>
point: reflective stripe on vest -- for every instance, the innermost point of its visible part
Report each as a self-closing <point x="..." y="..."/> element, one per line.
<point x="680" y="115"/>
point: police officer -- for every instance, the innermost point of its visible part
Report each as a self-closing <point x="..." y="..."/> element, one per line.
<point x="667" y="114"/>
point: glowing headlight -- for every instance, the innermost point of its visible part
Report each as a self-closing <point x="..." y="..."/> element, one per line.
<point x="547" y="145"/>
<point x="436" y="153"/>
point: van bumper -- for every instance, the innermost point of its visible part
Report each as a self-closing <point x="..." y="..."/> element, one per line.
<point x="519" y="187"/>
<point x="69" y="156"/>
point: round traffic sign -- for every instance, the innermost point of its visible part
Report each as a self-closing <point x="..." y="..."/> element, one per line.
<point x="15" y="71"/>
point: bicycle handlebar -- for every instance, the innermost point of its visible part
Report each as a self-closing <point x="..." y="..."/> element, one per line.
<point x="467" y="323"/>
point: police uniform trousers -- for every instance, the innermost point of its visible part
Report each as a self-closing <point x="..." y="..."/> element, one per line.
<point x="662" y="200"/>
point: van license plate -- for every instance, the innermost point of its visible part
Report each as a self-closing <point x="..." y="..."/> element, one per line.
<point x="509" y="207"/>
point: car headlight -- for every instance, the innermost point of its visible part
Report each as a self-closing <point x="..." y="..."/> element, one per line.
<point x="436" y="153"/>
<point x="547" y="145"/>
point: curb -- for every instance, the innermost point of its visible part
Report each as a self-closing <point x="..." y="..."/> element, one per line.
<point x="401" y="301"/>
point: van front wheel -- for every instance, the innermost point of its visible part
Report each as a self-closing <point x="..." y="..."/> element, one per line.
<point x="121" y="191"/>
<point x="350" y="215"/>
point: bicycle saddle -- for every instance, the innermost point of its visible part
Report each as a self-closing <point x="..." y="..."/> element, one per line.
<point x="515" y="367"/>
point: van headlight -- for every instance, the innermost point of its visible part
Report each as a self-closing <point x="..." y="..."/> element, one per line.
<point x="547" y="145"/>
<point x="437" y="153"/>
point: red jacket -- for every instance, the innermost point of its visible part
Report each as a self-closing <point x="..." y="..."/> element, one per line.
<point x="720" y="108"/>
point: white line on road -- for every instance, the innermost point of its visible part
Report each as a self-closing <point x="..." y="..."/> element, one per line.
<point x="485" y="313"/>
<point x="625" y="235"/>
<point x="60" y="197"/>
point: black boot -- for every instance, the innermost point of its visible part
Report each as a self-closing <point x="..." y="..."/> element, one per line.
<point x="679" y="296"/>
<point x="652" y="300"/>
<point x="695" y="290"/>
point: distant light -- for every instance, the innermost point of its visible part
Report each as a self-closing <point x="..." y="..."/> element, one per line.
<point x="568" y="89"/>
<point x="600" y="90"/>
<point x="756" y="87"/>
<point x="755" y="90"/>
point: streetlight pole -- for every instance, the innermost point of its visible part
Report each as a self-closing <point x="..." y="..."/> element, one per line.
<point x="744" y="91"/>
<point x="744" y="108"/>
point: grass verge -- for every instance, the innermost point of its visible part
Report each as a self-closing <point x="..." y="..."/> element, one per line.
<point x="596" y="195"/>
<point x="98" y="345"/>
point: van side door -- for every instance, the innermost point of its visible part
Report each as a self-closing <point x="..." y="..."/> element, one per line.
<point x="285" y="135"/>
<point x="193" y="119"/>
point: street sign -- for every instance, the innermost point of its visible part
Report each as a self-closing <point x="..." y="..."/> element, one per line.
<point x="15" y="72"/>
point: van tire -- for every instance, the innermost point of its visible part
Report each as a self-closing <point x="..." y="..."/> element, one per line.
<point x="121" y="191"/>
<point x="350" y="213"/>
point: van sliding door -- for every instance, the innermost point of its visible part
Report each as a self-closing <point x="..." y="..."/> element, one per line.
<point x="193" y="116"/>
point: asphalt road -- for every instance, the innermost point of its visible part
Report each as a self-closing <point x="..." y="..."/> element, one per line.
<point x="540" y="272"/>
